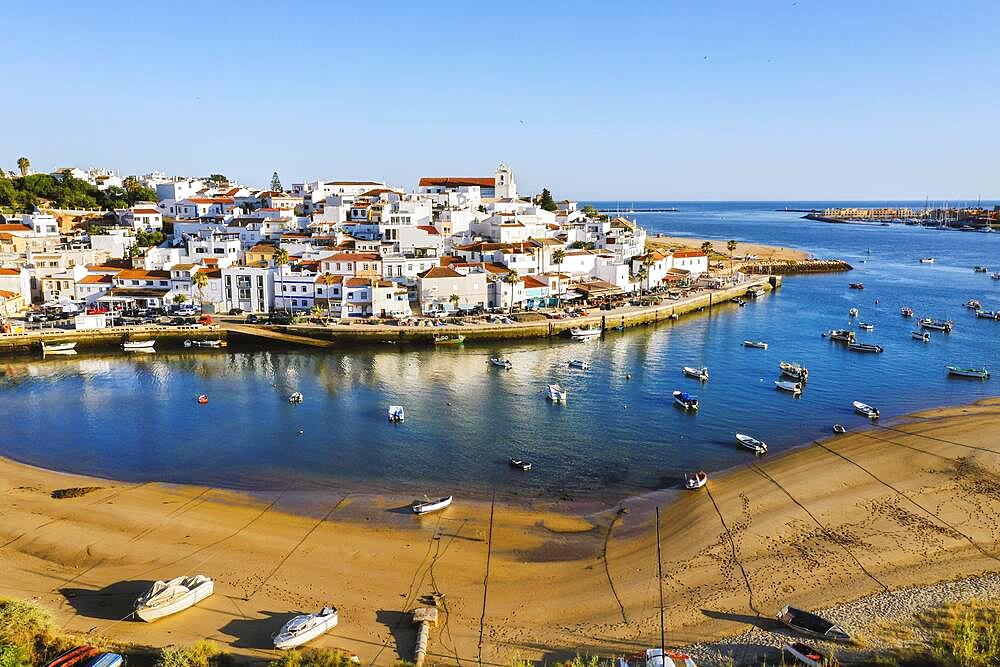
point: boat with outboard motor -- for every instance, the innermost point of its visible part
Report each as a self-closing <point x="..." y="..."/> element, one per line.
<point x="686" y="400"/>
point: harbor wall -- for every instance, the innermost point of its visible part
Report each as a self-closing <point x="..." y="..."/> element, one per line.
<point x="112" y="337"/>
<point x="793" y="266"/>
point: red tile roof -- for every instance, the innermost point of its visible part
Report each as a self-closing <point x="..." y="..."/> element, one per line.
<point x="689" y="253"/>
<point x="430" y="229"/>
<point x="440" y="272"/>
<point x="4" y="294"/>
<point x="211" y="200"/>
<point x="96" y="280"/>
<point x="146" y="211"/>
<point x="10" y="272"/>
<point x="140" y="274"/>
<point x="457" y="182"/>
<point x="14" y="227"/>
<point x="531" y="282"/>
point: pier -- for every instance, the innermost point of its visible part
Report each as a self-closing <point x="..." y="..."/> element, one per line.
<point x="619" y="211"/>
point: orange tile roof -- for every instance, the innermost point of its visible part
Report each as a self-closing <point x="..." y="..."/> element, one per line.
<point x="689" y="253"/>
<point x="457" y="182"/>
<point x="358" y="282"/>
<point x="430" y="229"/>
<point x="440" y="272"/>
<point x="4" y="294"/>
<point x="140" y="274"/>
<point x="10" y="272"/>
<point x="531" y="281"/>
<point x="146" y="211"/>
<point x="14" y="227"/>
<point x="96" y="280"/>
<point x="352" y="257"/>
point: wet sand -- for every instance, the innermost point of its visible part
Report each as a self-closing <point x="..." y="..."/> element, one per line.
<point x="910" y="503"/>
<point x="764" y="252"/>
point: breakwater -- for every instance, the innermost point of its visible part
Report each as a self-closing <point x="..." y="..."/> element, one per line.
<point x="112" y="337"/>
<point x="792" y="266"/>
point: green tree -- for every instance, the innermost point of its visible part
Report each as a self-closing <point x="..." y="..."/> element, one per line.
<point x="276" y="183"/>
<point x="280" y="257"/>
<point x="326" y="280"/>
<point x="512" y="278"/>
<point x="708" y="249"/>
<point x="14" y="656"/>
<point x="546" y="201"/>
<point x="24" y="164"/>
<point x="200" y="280"/>
<point x="148" y="239"/>
<point x="180" y="298"/>
<point x="647" y="262"/>
<point x="455" y="300"/>
<point x="558" y="257"/>
<point x="731" y="247"/>
<point x="591" y="212"/>
<point x="219" y="179"/>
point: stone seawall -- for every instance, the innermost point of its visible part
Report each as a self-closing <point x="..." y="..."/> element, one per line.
<point x="103" y="339"/>
<point x="788" y="267"/>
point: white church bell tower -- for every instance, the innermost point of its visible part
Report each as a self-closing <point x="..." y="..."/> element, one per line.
<point x="506" y="188"/>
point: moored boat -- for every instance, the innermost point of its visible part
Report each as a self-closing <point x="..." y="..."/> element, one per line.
<point x="856" y="285"/>
<point x="867" y="326"/>
<point x="977" y="373"/>
<point x="793" y="370"/>
<point x="686" y="400"/>
<point x="520" y="464"/>
<point x="865" y="347"/>
<point x="937" y="325"/>
<point x="169" y="597"/>
<point x="755" y="292"/>
<point x="981" y="269"/>
<point x="759" y="447"/>
<point x="921" y="336"/>
<point x="926" y="260"/>
<point x="579" y="364"/>
<point x="427" y="505"/>
<point x="696" y="373"/>
<point x="739" y="302"/>
<point x="501" y="363"/>
<point x="840" y="335"/>
<point x="988" y="314"/>
<point x="695" y="480"/>
<point x="759" y="344"/>
<point x="906" y="311"/>
<point x="806" y="654"/>
<point x="106" y="660"/>
<point x="48" y="348"/>
<point x="555" y="393"/>
<point x="139" y="344"/>
<point x="972" y="304"/>
<point x="202" y="399"/>
<point x="305" y="628"/>
<point x="813" y="624"/>
<point x="296" y="397"/>
<point x="866" y="410"/>
<point x="74" y="656"/>
<point x="396" y="413"/>
<point x="853" y="312"/>
<point x="995" y="275"/>
<point x="457" y="339"/>
<point x="839" y="428"/>
<point x="793" y="388"/>
<point x="205" y="343"/>
<point x="582" y="334"/>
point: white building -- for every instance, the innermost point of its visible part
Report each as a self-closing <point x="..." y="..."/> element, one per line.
<point x="250" y="288"/>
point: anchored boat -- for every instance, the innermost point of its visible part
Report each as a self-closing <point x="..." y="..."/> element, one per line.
<point x="865" y="347"/>
<point x="589" y="333"/>
<point x="204" y="343"/>
<point x="759" y="344"/>
<point x="927" y="260"/>
<point x="695" y="480"/>
<point x="981" y="269"/>
<point x="296" y="397"/>
<point x="812" y="624"/>
<point x="449" y="340"/>
<point x="867" y="326"/>
<point x="305" y="628"/>
<point x="853" y="312"/>
<point x="520" y="464"/>
<point x="579" y="364"/>
<point x="759" y="447"/>
<point x="793" y="388"/>
<point x="555" y="393"/>
<point x="427" y="505"/>
<point x="839" y="428"/>
<point x="866" y="410"/>
<point x="793" y="370"/>
<point x="921" y="335"/>
<point x="396" y="413"/>
<point x="906" y="311"/>
<point x="139" y="345"/>
<point x="972" y="304"/>
<point x="49" y="348"/>
<point x="686" y="400"/>
<point x="840" y="335"/>
<point x="501" y="363"/>
<point x="170" y="597"/>
<point x="988" y="314"/>
<point x="856" y="285"/>
<point x="696" y="373"/>
<point x="977" y="373"/>
<point x="937" y="325"/>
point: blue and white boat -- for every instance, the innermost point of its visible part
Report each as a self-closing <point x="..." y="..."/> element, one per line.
<point x="686" y="400"/>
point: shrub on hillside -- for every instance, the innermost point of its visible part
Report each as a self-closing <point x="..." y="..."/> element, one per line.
<point x="313" y="657"/>
<point x="26" y="626"/>
<point x="203" y="653"/>
<point x="13" y="656"/>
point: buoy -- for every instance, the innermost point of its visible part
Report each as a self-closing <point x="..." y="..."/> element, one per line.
<point x="203" y="399"/>
<point x="628" y="376"/>
<point x="301" y="431"/>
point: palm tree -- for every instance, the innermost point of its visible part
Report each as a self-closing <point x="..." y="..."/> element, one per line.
<point x="708" y="249"/>
<point x="200" y="281"/>
<point x="280" y="257"/>
<point x="24" y="164"/>
<point x="558" y="257"/>
<point x="641" y="274"/>
<point x="326" y="280"/>
<point x="647" y="261"/>
<point x="731" y="247"/>
<point x="455" y="299"/>
<point x="512" y="278"/>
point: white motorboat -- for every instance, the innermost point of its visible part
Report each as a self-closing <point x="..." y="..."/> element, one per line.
<point x="396" y="413"/>
<point x="865" y="347"/>
<point x="139" y="344"/>
<point x="305" y="628"/>
<point x="759" y="344"/>
<point x="995" y="275"/>
<point x="988" y="314"/>
<point x="500" y="362"/>
<point x="657" y="658"/>
<point x="427" y="505"/>
<point x="867" y="326"/>
<point x="755" y="292"/>
<point x="794" y="388"/>
<point x="977" y="373"/>
<point x="296" y="397"/>
<point x="696" y="373"/>
<point x="866" y="410"/>
<point x="853" y="312"/>
<point x="921" y="336"/>
<point x="839" y="428"/>
<point x="695" y="480"/>
<point x="579" y="364"/>
<point x="686" y="400"/>
<point x="937" y="325"/>
<point x="840" y="335"/>
<point x="927" y="260"/>
<point x="49" y="348"/>
<point x="555" y="393"/>
<point x="520" y="464"/>
<point x="972" y="304"/>
<point x="758" y="446"/>
<point x="797" y="372"/>
<point x="589" y="333"/>
<point x="170" y="597"/>
<point x="205" y="343"/>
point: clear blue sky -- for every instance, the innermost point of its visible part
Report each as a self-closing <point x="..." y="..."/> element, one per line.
<point x="672" y="100"/>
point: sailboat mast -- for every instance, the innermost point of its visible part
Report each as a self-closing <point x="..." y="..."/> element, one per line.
<point x="659" y="582"/>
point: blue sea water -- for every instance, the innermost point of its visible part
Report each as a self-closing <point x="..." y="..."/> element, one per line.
<point x="135" y="418"/>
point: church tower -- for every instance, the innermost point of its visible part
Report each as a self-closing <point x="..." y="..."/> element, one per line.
<point x="506" y="188"/>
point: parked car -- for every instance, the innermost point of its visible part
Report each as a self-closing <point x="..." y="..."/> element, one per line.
<point x="235" y="311"/>
<point x="205" y="319"/>
<point x="252" y="319"/>
<point x="186" y="311"/>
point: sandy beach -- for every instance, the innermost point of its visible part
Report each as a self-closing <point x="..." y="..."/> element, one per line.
<point x="902" y="504"/>
<point x="764" y="252"/>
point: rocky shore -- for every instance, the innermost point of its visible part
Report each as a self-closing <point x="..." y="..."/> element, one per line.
<point x="792" y="266"/>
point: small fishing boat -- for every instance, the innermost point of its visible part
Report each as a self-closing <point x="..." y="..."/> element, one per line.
<point x="926" y="260"/>
<point x="937" y="325"/>
<point x="696" y="373"/>
<point x="981" y="269"/>
<point x="759" y="447"/>
<point x="812" y="624"/>
<point x="579" y="364"/>
<point x="205" y="343"/>
<point x="793" y="370"/>
<point x="988" y="314"/>
<point x="856" y="285"/>
<point x="973" y="304"/>
<point x="74" y="656"/>
<point x="867" y="326"/>
<point x="839" y="428"/>
<point x="921" y="336"/>
<point x="396" y="413"/>
<point x="296" y="397"/>
<point x="686" y="400"/>
<point x="305" y="628"/>
<point x="426" y="506"/>
<point x="695" y="480"/>
<point x="501" y="363"/>
<point x="202" y="399"/>
<point x="520" y="464"/>
<point x="793" y="388"/>
<point x="995" y="275"/>
<point x="866" y="410"/>
<point x="806" y="654"/>
<point x="756" y="292"/>
<point x="589" y="333"/>
<point x="840" y="335"/>
<point x="657" y="658"/>
<point x="106" y="660"/>
<point x="977" y="373"/>
<point x="449" y="340"/>
<point x="906" y="311"/>
<point x="49" y="348"/>
<point x="853" y="312"/>
<point x="865" y="347"/>
<point x="169" y="597"/>
<point x="739" y="302"/>
<point x="555" y="393"/>
<point x="139" y="344"/>
<point x="759" y="344"/>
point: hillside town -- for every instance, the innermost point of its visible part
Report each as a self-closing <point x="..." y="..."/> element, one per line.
<point x="339" y="249"/>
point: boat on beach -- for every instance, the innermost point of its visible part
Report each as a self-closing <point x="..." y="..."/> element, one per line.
<point x="106" y="660"/>
<point x="866" y="410"/>
<point x="806" y="654"/>
<point x="55" y="348"/>
<point x="520" y="464"/>
<point x="695" y="480"/>
<point x="759" y="344"/>
<point x="696" y="373"/>
<point x="305" y="628"/>
<point x="582" y="334"/>
<point x="759" y="447"/>
<point x="921" y="336"/>
<point x="865" y="347"/>
<point x="977" y="373"/>
<point x="793" y="388"/>
<point x="686" y="400"/>
<point x="579" y="364"/>
<point x="840" y="335"/>
<point x="426" y="506"/>
<point x="74" y="656"/>
<point x="657" y="658"/>
<point x="797" y="372"/>
<point x="396" y="413"/>
<point x="812" y="624"/>
<point x="906" y="311"/>
<point x="138" y="345"/>
<point x="449" y="340"/>
<point x="296" y="397"/>
<point x="937" y="325"/>
<point x="169" y="597"/>
<point x="555" y="393"/>
<point x="501" y="363"/>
